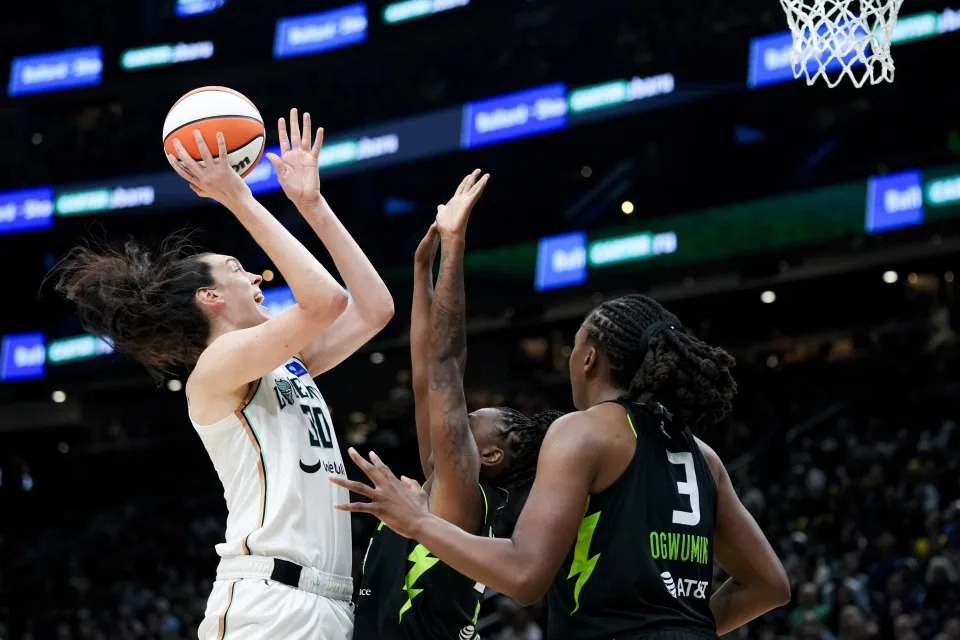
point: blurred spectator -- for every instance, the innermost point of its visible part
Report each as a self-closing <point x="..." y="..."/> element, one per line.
<point x="517" y="622"/>
<point x="808" y="604"/>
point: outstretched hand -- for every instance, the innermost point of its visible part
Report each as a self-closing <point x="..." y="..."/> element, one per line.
<point x="452" y="217"/>
<point x="401" y="504"/>
<point x="298" y="165"/>
<point x="210" y="177"/>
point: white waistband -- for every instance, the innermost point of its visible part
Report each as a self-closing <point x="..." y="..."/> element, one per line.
<point x="312" y="580"/>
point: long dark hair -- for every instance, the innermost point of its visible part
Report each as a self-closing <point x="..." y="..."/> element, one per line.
<point x="144" y="304"/>
<point x="658" y="362"/>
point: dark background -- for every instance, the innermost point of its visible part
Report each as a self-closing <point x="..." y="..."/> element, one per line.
<point x="843" y="442"/>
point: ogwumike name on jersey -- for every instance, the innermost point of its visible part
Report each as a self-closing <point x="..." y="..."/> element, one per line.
<point x="685" y="547"/>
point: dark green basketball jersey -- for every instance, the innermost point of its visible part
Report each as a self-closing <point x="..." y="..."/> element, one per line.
<point x="642" y="563"/>
<point x="406" y="593"/>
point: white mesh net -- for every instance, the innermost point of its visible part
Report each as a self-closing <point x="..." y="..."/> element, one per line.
<point x="849" y="36"/>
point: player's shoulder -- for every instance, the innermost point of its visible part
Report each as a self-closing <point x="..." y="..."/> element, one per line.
<point x="717" y="470"/>
<point x="588" y="429"/>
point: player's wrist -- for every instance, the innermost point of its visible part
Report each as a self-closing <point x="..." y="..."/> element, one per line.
<point x="240" y="201"/>
<point x="314" y="205"/>
<point x="421" y="525"/>
<point x="453" y="239"/>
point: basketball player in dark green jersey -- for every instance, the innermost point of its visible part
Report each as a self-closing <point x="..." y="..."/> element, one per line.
<point x="406" y="593"/>
<point x="628" y="510"/>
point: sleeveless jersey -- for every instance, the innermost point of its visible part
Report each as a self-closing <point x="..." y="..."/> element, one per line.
<point x="642" y="564"/>
<point x="273" y="456"/>
<point x="408" y="594"/>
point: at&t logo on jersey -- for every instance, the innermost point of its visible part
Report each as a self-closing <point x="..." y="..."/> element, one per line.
<point x="468" y="633"/>
<point x="685" y="588"/>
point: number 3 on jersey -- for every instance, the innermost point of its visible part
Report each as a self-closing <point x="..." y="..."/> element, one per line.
<point x="686" y="487"/>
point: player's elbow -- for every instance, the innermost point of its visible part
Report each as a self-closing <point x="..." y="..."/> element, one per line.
<point x="528" y="588"/>
<point x="382" y="312"/>
<point x="779" y="587"/>
<point x="775" y="585"/>
<point x="324" y="310"/>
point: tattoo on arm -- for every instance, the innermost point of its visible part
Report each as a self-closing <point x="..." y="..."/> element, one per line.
<point x="448" y="335"/>
<point x="456" y="441"/>
<point x="448" y="345"/>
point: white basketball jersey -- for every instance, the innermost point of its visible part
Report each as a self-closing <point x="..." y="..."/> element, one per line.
<point x="273" y="456"/>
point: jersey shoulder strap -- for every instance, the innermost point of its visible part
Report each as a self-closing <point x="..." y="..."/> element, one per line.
<point x="494" y="500"/>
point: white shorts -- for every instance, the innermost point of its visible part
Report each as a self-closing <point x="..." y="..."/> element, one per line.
<point x="256" y="609"/>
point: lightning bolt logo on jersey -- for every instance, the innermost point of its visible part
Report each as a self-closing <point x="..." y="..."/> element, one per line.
<point x="407" y="593"/>
<point x="422" y="562"/>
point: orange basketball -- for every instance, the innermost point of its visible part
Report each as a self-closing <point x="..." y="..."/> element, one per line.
<point x="212" y="110"/>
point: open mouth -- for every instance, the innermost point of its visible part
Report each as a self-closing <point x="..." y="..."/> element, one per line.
<point x="258" y="298"/>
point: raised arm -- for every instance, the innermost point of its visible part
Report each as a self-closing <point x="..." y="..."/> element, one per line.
<point x="758" y="582"/>
<point x="240" y="357"/>
<point x="454" y="494"/>
<point x="420" y="340"/>
<point x="523" y="566"/>
<point x="372" y="305"/>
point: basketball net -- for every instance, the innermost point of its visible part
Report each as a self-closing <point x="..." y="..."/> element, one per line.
<point x="849" y="36"/>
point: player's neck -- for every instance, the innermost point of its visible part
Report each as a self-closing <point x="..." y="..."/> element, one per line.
<point x="218" y="327"/>
<point x="604" y="393"/>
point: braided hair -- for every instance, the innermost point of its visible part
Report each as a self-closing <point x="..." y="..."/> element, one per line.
<point x="143" y="303"/>
<point x="523" y="436"/>
<point x="658" y="362"/>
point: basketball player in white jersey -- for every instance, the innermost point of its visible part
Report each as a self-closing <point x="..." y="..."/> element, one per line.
<point x="286" y="561"/>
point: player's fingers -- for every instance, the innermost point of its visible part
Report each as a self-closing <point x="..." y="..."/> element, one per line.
<point x="317" y="143"/>
<point x="222" y="148"/>
<point x="352" y="485"/>
<point x="282" y="134"/>
<point x="477" y="190"/>
<point x="294" y="129"/>
<point x="204" y="150"/>
<point x="410" y="483"/>
<point x="189" y="163"/>
<point x="357" y="507"/>
<point x="359" y="460"/>
<point x="306" y="131"/>
<point x="378" y="463"/>
<point x="463" y="184"/>
<point x="276" y="162"/>
<point x="183" y="173"/>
